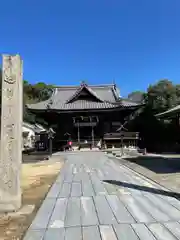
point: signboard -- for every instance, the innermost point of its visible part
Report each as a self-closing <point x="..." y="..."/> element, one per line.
<point x="85" y="124"/>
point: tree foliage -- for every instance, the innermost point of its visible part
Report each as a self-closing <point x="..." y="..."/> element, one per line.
<point x="36" y="92"/>
<point x="32" y="93"/>
<point x="162" y="96"/>
<point x="136" y="96"/>
<point x="158" y="98"/>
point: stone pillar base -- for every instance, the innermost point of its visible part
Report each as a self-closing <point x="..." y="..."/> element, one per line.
<point x="12" y="205"/>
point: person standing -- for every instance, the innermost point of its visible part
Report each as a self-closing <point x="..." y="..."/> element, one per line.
<point x="70" y="145"/>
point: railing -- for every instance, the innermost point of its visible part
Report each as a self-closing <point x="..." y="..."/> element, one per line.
<point x="124" y="135"/>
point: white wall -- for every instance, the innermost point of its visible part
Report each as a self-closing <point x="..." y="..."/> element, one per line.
<point x="28" y="136"/>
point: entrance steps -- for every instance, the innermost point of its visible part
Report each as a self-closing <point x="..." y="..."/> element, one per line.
<point x="86" y="149"/>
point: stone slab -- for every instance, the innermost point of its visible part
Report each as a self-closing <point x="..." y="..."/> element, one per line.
<point x="76" y="189"/>
<point x="125" y="232"/>
<point x="73" y="213"/>
<point x="104" y="212"/>
<point x="65" y="190"/>
<point x="80" y="176"/>
<point x="55" y="190"/>
<point x="100" y="174"/>
<point x="172" y="201"/>
<point x="42" y="218"/>
<point x="164" y="206"/>
<point x="110" y="188"/>
<point x="69" y="178"/>
<point x="91" y="233"/>
<point x="107" y="232"/>
<point x="97" y="185"/>
<point x="160" y="232"/>
<point x="174" y="227"/>
<point x="121" y="213"/>
<point x="143" y="232"/>
<point x="88" y="212"/>
<point x="73" y="233"/>
<point x="54" y="234"/>
<point x="155" y="212"/>
<point x="69" y="174"/>
<point x="136" y="210"/>
<point x="87" y="188"/>
<point x="35" y="234"/>
<point x="58" y="216"/>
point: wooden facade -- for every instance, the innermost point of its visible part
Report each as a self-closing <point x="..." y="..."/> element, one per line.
<point x="86" y="114"/>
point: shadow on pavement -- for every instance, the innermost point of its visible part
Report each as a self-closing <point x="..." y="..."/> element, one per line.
<point x="157" y="164"/>
<point x="34" y="157"/>
<point x="145" y="189"/>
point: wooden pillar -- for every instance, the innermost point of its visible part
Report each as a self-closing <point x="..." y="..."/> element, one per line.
<point x="50" y="146"/>
<point x="92" y="136"/>
<point x="122" y="152"/>
<point x="78" y="134"/>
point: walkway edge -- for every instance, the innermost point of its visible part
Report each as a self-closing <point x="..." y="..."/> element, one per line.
<point x="142" y="175"/>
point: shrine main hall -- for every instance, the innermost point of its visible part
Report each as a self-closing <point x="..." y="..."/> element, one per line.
<point x="87" y="114"/>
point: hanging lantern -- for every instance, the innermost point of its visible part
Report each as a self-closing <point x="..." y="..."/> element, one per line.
<point x="51" y="133"/>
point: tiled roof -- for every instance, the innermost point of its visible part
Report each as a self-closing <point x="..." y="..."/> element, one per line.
<point x="80" y="89"/>
<point x="35" y="127"/>
<point x="128" y="103"/>
<point x="62" y="99"/>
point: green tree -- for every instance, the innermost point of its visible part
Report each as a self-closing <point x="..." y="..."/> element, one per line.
<point x="178" y="93"/>
<point x="32" y="94"/>
<point x="157" y="135"/>
<point x="136" y="96"/>
<point x="162" y="96"/>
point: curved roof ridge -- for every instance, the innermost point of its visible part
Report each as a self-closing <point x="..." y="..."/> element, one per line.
<point x="89" y="85"/>
<point x="78" y="91"/>
<point x="94" y="93"/>
<point x="115" y="92"/>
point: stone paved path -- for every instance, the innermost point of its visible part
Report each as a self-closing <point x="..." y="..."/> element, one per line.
<point x="96" y="198"/>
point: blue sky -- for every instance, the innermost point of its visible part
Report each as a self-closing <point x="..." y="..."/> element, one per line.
<point x="63" y="42"/>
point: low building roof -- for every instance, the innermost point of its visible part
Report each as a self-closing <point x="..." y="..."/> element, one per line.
<point x="169" y="113"/>
<point x="66" y="98"/>
<point x="33" y="127"/>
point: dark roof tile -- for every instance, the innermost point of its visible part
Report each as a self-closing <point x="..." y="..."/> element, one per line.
<point x="60" y="99"/>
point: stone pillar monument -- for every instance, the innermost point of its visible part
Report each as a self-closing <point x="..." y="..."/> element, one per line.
<point x="11" y="134"/>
